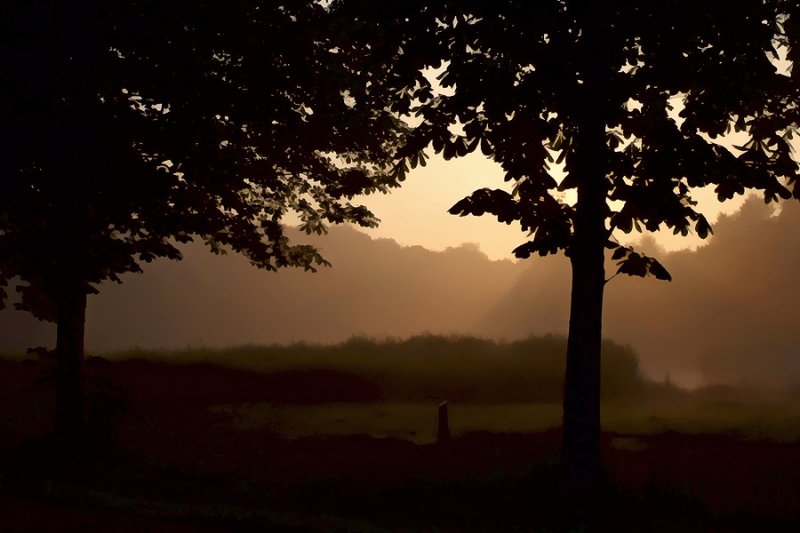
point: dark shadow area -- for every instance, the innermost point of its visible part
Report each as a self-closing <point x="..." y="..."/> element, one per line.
<point x="167" y="449"/>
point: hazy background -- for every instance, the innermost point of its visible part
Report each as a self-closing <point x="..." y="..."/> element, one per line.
<point x="729" y="315"/>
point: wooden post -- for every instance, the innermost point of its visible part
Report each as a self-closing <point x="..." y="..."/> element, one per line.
<point x="444" y="428"/>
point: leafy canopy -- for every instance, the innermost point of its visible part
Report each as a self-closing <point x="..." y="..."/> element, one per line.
<point x="667" y="82"/>
<point x="129" y="127"/>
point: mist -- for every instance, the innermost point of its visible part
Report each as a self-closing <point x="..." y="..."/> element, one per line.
<point x="376" y="288"/>
<point x="728" y="316"/>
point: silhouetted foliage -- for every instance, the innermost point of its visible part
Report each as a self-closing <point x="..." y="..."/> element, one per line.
<point x="587" y="84"/>
<point x="128" y="126"/>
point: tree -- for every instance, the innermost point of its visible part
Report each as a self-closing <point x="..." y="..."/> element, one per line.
<point x="595" y="86"/>
<point x="129" y="127"/>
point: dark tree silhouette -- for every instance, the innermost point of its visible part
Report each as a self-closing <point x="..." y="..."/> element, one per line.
<point x="129" y="127"/>
<point x="590" y="84"/>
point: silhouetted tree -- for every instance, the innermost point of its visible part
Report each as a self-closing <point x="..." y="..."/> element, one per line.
<point x="129" y="127"/>
<point x="589" y="84"/>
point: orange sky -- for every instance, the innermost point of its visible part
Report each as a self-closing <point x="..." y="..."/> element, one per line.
<point x="416" y="213"/>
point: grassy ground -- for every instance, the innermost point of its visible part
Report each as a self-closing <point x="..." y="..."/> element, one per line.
<point x="342" y="467"/>
<point x="203" y="449"/>
<point x="417" y="421"/>
<point x="199" y="475"/>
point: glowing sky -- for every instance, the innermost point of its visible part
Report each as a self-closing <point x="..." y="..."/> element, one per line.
<point x="416" y="213"/>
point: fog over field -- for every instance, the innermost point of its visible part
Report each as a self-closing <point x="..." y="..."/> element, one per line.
<point x="729" y="315"/>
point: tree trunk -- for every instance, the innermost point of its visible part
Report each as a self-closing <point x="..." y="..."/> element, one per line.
<point x="581" y="461"/>
<point x="69" y="416"/>
<point x="581" y="431"/>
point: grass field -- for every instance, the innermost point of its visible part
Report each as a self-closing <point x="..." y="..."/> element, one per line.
<point x="341" y="439"/>
<point x="417" y="421"/>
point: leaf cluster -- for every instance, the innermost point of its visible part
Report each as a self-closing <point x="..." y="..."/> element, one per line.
<point x="129" y="127"/>
<point x="668" y="83"/>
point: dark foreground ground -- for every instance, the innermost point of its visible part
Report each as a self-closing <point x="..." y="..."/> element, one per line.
<point x="175" y="464"/>
<point x="214" y="479"/>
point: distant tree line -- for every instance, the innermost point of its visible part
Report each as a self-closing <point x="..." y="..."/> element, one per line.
<point x="431" y="367"/>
